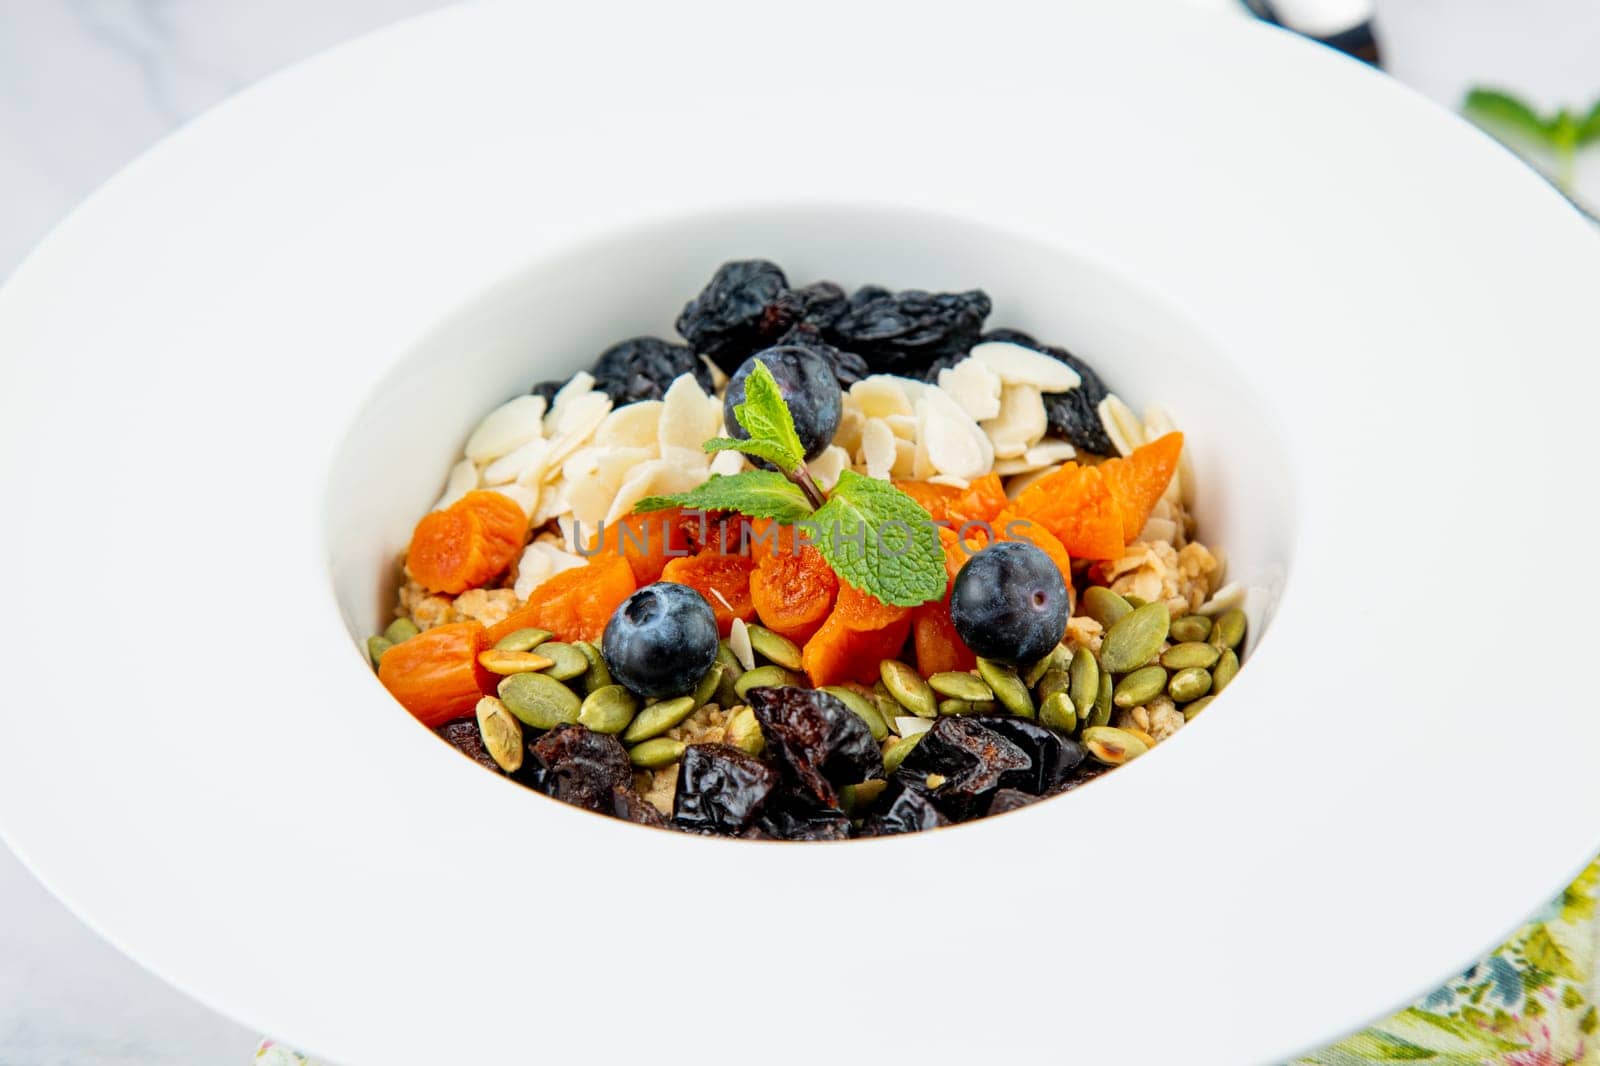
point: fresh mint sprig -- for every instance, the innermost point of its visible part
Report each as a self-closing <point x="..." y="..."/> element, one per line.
<point x="1563" y="133"/>
<point x="875" y="537"/>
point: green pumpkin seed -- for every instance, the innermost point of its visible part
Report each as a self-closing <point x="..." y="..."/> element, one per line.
<point x="400" y="630"/>
<point x="1223" y="672"/>
<point x="1135" y="639"/>
<point x="770" y="676"/>
<point x="502" y="734"/>
<point x="1135" y="601"/>
<point x="1228" y="631"/>
<point x="1101" y="714"/>
<point x="708" y="686"/>
<point x="958" y="684"/>
<point x="864" y="709"/>
<point x="598" y="675"/>
<point x="1085" y="681"/>
<point x="376" y="646"/>
<point x="566" y="662"/>
<point x="608" y="709"/>
<point x="908" y="688"/>
<point x="1104" y="606"/>
<point x="1189" y="684"/>
<point x="523" y="639"/>
<point x="1054" y="680"/>
<point x="742" y="731"/>
<point x="955" y="706"/>
<point x="1032" y="674"/>
<point x="1188" y="628"/>
<point x="1007" y="686"/>
<point x="887" y="705"/>
<point x="896" y="753"/>
<point x="1140" y="687"/>
<point x="727" y="693"/>
<point x="1191" y="653"/>
<point x="654" y="754"/>
<point x="1192" y="709"/>
<point x="539" y="700"/>
<point x="1057" y="712"/>
<point x="1113" y="746"/>
<point x="658" y="718"/>
<point x="857" y="798"/>
<point x="774" y="647"/>
<point x="501" y="662"/>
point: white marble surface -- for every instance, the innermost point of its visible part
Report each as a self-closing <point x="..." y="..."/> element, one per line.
<point x="85" y="85"/>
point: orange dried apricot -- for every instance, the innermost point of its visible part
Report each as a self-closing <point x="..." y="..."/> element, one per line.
<point x="1075" y="504"/>
<point x="574" y="604"/>
<point x="939" y="647"/>
<point x="436" y="674"/>
<point x="861" y="632"/>
<point x="724" y="580"/>
<point x="647" y="541"/>
<point x="1138" y="481"/>
<point x="468" y="543"/>
<point x="792" y="594"/>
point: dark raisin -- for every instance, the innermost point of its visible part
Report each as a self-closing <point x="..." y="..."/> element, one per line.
<point x="721" y="788"/>
<point x="848" y="367"/>
<point x="644" y="367"/>
<point x="902" y="332"/>
<point x="911" y="812"/>
<point x="578" y="767"/>
<point x="795" y="820"/>
<point x="1010" y="799"/>
<point x="1086" y="771"/>
<point x="1054" y="755"/>
<point x="1073" y="414"/>
<point x="821" y="304"/>
<point x="973" y="759"/>
<point x="745" y="307"/>
<point x="462" y="734"/>
<point x="628" y="805"/>
<point x="547" y="389"/>
<point x="816" y="741"/>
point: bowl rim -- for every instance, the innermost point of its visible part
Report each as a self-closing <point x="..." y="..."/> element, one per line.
<point x="1427" y="282"/>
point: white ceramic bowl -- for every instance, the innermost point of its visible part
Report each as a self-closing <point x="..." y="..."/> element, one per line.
<point x="234" y="378"/>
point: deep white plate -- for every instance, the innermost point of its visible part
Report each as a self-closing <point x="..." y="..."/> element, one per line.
<point x="236" y="375"/>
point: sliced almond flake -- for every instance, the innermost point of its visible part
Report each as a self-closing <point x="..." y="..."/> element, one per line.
<point x="877" y="448"/>
<point x="567" y="525"/>
<point x="727" y="463"/>
<point x="658" y="477"/>
<point x="1019" y="484"/>
<point x="579" y="384"/>
<point x="527" y="498"/>
<point x="1226" y="598"/>
<point x="1048" y="452"/>
<point x="956" y="446"/>
<point x="560" y="558"/>
<point x="951" y="480"/>
<point x="1020" y="424"/>
<point x="880" y="395"/>
<point x="721" y="598"/>
<point x="905" y="458"/>
<point x="922" y="466"/>
<point x="632" y="425"/>
<point x="688" y="416"/>
<point x="739" y="644"/>
<point x="1120" y="424"/>
<point x="719" y="380"/>
<point x="909" y="725"/>
<point x="1162" y="529"/>
<point x="578" y="424"/>
<point x="463" y="479"/>
<point x="506" y="428"/>
<point x="974" y="386"/>
<point x="553" y="504"/>
<point x="904" y="427"/>
<point x="525" y="464"/>
<point x="1012" y="467"/>
<point x="688" y="459"/>
<point x="532" y="571"/>
<point x="1016" y="365"/>
<point x="825" y="468"/>
<point x="851" y="423"/>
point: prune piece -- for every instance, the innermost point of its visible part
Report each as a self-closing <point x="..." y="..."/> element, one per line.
<point x="816" y="741"/>
<point x="547" y="389"/>
<point x="973" y="759"/>
<point x="1086" y="771"/>
<point x="628" y="805"/>
<point x="911" y="812"/>
<point x="745" y="307"/>
<point x="806" y="381"/>
<point x="1073" y="414"/>
<point x="848" y="367"/>
<point x="721" y="788"/>
<point x="902" y="332"/>
<point x="1010" y="603"/>
<point x="1010" y="799"/>
<point x="578" y="767"/>
<point x="1054" y="755"/>
<point x="797" y="821"/>
<point x="821" y="304"/>
<point x="644" y="367"/>
<point x="462" y="734"/>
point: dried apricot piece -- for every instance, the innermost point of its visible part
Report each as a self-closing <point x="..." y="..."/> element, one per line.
<point x="574" y="604"/>
<point x="938" y="646"/>
<point x="980" y="501"/>
<point x="861" y="632"/>
<point x="1075" y="504"/>
<point x="1138" y="482"/>
<point x="724" y="580"/>
<point x="792" y="594"/>
<point x="468" y="543"/>
<point x="436" y="674"/>
<point x="1012" y="525"/>
<point x="647" y="541"/>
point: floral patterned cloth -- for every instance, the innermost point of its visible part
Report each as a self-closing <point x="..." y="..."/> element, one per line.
<point x="1530" y="1003"/>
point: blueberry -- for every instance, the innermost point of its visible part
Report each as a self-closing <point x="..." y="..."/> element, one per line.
<point x="806" y="379"/>
<point x="661" y="641"/>
<point x="1010" y="603"/>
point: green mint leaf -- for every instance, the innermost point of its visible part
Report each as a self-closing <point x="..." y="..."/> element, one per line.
<point x="1500" y="112"/>
<point x="757" y="493"/>
<point x="761" y="449"/>
<point x="1589" y="130"/>
<point x="881" y="541"/>
<point x="766" y="418"/>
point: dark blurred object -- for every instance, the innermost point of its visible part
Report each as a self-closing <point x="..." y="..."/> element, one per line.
<point x="1342" y="24"/>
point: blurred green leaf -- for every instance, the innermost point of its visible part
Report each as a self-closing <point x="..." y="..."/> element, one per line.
<point x="1494" y="108"/>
